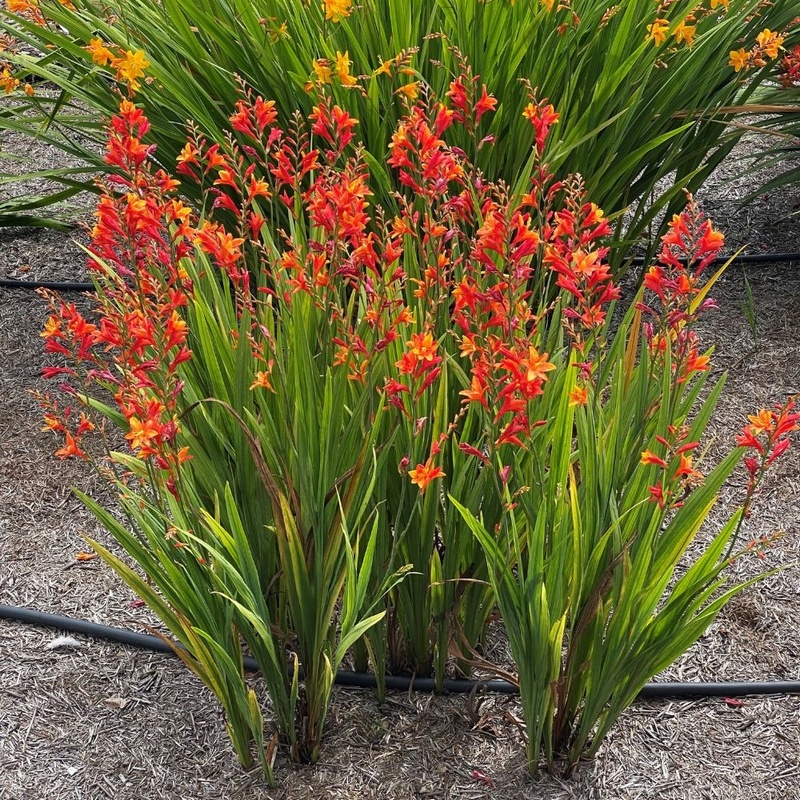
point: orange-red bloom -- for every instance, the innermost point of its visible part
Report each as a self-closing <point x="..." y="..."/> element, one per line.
<point x="424" y="474"/>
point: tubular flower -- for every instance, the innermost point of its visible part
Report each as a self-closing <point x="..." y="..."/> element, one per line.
<point x="579" y="396"/>
<point x="769" y="42"/>
<point x="658" y="31"/>
<point x="424" y="474"/>
<point x="141" y="238"/>
<point x="262" y="381"/>
<point x="767" y="436"/>
<point x="768" y="46"/>
<point x="8" y="81"/>
<point x="422" y="347"/>
<point x="542" y="115"/>
<point x="322" y="72"/>
<point x="688" y="247"/>
<point x="739" y="59"/>
<point x="142" y="433"/>
<point x="130" y="67"/>
<point x="336" y="10"/>
<point x="790" y="69"/>
<point x="649" y="457"/>
<point x="686" y="32"/>
<point x="342" y="69"/>
<point x="100" y="53"/>
<point x="70" y="448"/>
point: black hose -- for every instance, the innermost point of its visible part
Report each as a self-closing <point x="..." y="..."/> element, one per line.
<point x="757" y="258"/>
<point x="396" y="682"/>
<point x="76" y="286"/>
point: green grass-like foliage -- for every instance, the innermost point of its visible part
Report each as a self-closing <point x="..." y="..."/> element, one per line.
<point x="634" y="109"/>
<point x="351" y="433"/>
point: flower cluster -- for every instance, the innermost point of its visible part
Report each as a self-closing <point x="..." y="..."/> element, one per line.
<point x="325" y="69"/>
<point x="684" y="32"/>
<point x="459" y="274"/>
<point x="469" y="104"/>
<point x="572" y="252"/>
<point x="766" y="436"/>
<point x="678" y="473"/>
<point x="31" y="9"/>
<point x="767" y="47"/>
<point x="689" y="246"/>
<point x="789" y="75"/>
<point x="141" y="235"/>
<point x="129" y="66"/>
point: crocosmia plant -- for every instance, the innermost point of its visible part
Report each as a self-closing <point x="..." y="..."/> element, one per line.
<point x="351" y="433"/>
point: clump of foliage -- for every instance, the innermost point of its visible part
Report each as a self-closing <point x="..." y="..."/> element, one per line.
<point x="644" y="90"/>
<point x="354" y="432"/>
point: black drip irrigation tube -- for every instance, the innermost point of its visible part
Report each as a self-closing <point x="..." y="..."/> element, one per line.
<point x="395" y="682"/>
<point x="639" y="261"/>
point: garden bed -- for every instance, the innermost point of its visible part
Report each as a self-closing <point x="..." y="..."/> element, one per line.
<point x="105" y="721"/>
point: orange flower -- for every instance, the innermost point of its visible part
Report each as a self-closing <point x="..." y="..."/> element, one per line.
<point x="53" y="423"/>
<point x="468" y="346"/>
<point x="687" y="470"/>
<point x="424" y="474"/>
<point x="100" y="53"/>
<point x="770" y="42"/>
<point x="188" y="155"/>
<point x="658" y="31"/>
<point x="141" y="433"/>
<point x="343" y="69"/>
<point x="422" y="346"/>
<point x="7" y="80"/>
<point x="261" y="381"/>
<point x="410" y="90"/>
<point x="684" y="32"/>
<point x="578" y="396"/>
<point x="322" y="71"/>
<point x="131" y="67"/>
<point x="761" y="422"/>
<point x="738" y="59"/>
<point x="70" y="447"/>
<point x="536" y="366"/>
<point x="336" y="10"/>
<point x="649" y="457"/>
<point x="476" y="392"/>
<point x="52" y="329"/>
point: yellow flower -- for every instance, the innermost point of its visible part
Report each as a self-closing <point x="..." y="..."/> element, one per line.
<point x="7" y="81"/>
<point x="337" y="10"/>
<point x="322" y="71"/>
<point x="718" y="3"/>
<point x="769" y="42"/>
<point x="384" y="68"/>
<point x="738" y="59"/>
<point x="131" y="67"/>
<point x="685" y="33"/>
<point x="658" y="31"/>
<point x="410" y="90"/>
<point x="343" y="69"/>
